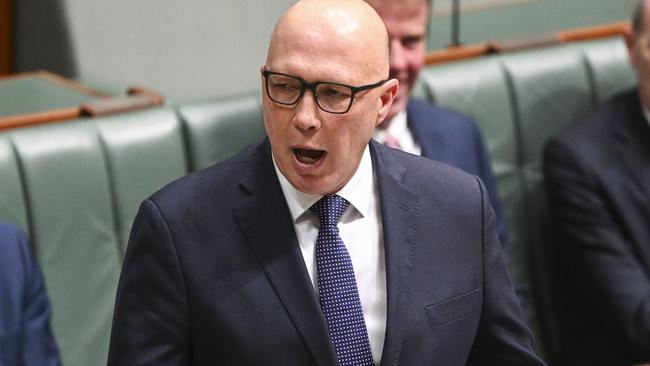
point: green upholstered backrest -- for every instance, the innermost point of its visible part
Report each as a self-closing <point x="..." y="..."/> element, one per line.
<point x="608" y="66"/>
<point x="551" y="90"/>
<point x="12" y="196"/>
<point x="480" y="89"/>
<point x="143" y="151"/>
<point x="217" y="129"/>
<point x="75" y="187"/>
<point x="72" y="229"/>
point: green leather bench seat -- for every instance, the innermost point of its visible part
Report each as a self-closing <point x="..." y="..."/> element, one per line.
<point x="75" y="186"/>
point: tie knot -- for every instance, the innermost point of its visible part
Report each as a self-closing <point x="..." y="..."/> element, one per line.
<point x="329" y="209"/>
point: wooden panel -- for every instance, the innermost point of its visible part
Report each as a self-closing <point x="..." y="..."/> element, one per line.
<point x="6" y="36"/>
<point x="571" y="35"/>
<point x="39" y="97"/>
<point x="458" y="53"/>
<point x="600" y="31"/>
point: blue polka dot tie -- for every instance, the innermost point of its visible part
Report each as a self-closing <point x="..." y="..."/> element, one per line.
<point x="337" y="287"/>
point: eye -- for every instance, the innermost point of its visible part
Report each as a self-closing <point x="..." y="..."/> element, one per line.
<point x="333" y="92"/>
<point x="412" y="42"/>
<point x="284" y="86"/>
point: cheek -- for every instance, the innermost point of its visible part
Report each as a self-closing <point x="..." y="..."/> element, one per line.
<point x="643" y="61"/>
<point x="269" y="123"/>
<point x="415" y="60"/>
<point x="361" y="130"/>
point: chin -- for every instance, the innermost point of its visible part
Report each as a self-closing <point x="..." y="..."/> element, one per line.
<point x="305" y="186"/>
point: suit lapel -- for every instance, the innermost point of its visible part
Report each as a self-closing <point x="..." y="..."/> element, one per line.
<point x="424" y="129"/>
<point x="399" y="219"/>
<point x="633" y="142"/>
<point x="266" y="222"/>
<point x="418" y="129"/>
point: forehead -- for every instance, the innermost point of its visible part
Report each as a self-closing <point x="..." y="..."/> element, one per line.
<point x="325" y="52"/>
<point x="312" y="63"/>
<point x="401" y="18"/>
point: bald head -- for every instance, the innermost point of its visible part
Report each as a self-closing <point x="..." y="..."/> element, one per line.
<point x="349" y="30"/>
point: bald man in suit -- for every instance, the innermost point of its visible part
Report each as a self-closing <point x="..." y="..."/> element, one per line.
<point x="320" y="246"/>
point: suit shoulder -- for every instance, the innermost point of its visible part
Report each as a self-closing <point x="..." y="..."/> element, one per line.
<point x="422" y="111"/>
<point x="14" y="252"/>
<point x="11" y="237"/>
<point x="589" y="140"/>
<point x="433" y="124"/>
<point x="427" y="172"/>
<point x="595" y="124"/>
<point x="221" y="177"/>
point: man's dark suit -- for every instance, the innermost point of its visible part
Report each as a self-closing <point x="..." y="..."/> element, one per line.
<point x="455" y="139"/>
<point x="214" y="274"/>
<point x="25" y="334"/>
<point x="598" y="181"/>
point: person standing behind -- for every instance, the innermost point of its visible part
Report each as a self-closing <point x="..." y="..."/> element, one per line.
<point x="25" y="333"/>
<point x="421" y="128"/>
<point x="598" y="184"/>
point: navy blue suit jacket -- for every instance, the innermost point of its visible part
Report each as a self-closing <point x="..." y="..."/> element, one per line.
<point x="455" y="139"/>
<point x="25" y="334"/>
<point x="213" y="273"/>
<point x="598" y="182"/>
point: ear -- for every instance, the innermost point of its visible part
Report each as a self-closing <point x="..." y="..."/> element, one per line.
<point x="389" y="91"/>
<point x="630" y="42"/>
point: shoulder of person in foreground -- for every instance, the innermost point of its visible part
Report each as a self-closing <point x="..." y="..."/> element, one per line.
<point x="25" y="333"/>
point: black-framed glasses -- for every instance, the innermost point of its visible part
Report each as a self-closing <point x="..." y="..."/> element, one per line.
<point x="331" y="97"/>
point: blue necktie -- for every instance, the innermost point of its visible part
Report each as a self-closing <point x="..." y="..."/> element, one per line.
<point x="337" y="287"/>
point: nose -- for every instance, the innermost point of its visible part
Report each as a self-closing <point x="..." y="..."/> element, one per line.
<point x="397" y="56"/>
<point x="306" y="116"/>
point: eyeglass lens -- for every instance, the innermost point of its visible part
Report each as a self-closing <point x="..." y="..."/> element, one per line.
<point x="285" y="89"/>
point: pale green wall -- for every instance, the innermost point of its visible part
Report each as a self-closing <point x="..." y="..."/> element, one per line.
<point x="517" y="19"/>
<point x="206" y="48"/>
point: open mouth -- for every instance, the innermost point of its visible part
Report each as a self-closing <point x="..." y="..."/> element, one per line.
<point x="308" y="156"/>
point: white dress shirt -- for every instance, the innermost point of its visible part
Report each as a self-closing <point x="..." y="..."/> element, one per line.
<point x="361" y="231"/>
<point x="399" y="129"/>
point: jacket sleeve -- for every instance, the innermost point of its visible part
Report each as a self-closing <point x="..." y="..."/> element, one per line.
<point x="486" y="175"/>
<point x="604" y="272"/>
<point x="150" y="322"/>
<point x="503" y="337"/>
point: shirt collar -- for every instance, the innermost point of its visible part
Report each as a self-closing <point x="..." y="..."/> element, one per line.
<point x="357" y="190"/>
